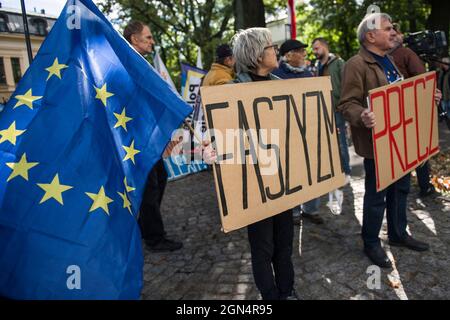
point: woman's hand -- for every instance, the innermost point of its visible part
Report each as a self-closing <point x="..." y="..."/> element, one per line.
<point x="209" y="154"/>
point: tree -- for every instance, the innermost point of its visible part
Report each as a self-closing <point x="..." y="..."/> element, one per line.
<point x="179" y="26"/>
<point x="337" y="20"/>
<point x="249" y="14"/>
<point x="439" y="18"/>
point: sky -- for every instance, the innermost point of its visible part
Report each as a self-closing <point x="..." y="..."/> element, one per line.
<point x="52" y="7"/>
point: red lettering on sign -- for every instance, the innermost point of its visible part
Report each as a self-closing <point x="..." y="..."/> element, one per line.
<point x="432" y="77"/>
<point x="381" y="133"/>
<point x="395" y="127"/>
<point x="394" y="101"/>
<point x="408" y="121"/>
<point x="420" y="157"/>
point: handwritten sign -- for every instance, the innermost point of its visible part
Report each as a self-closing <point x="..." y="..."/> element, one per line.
<point x="277" y="146"/>
<point x="406" y="133"/>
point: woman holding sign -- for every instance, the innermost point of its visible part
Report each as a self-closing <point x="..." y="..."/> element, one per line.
<point x="271" y="239"/>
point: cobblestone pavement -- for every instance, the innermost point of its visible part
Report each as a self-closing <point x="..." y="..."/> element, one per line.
<point x="328" y="259"/>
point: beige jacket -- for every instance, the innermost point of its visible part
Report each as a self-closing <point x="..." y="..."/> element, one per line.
<point x="218" y="74"/>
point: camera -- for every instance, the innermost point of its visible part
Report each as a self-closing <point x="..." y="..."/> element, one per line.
<point x="427" y="44"/>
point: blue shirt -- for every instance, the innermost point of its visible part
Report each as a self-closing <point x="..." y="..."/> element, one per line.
<point x="390" y="71"/>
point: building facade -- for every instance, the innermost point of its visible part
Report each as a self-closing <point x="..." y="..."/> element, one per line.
<point x="13" y="50"/>
<point x="280" y="30"/>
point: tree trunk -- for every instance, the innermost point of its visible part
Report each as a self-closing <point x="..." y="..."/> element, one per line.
<point x="249" y="13"/>
<point x="439" y="18"/>
<point x="412" y="17"/>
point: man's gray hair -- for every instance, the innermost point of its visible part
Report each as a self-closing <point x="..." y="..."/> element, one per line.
<point x="248" y="46"/>
<point x="369" y="23"/>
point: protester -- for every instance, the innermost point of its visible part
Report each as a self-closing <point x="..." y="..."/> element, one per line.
<point x="410" y="65"/>
<point x="150" y="220"/>
<point x="369" y="69"/>
<point x="221" y="71"/>
<point x="271" y="239"/>
<point x="328" y="64"/>
<point x="293" y="61"/>
<point x="293" y="65"/>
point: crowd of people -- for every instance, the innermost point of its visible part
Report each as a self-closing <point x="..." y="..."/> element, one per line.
<point x="251" y="57"/>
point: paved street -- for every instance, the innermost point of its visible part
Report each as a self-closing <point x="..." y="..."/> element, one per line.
<point x="328" y="259"/>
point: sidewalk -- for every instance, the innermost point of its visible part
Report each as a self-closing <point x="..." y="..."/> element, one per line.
<point x="328" y="259"/>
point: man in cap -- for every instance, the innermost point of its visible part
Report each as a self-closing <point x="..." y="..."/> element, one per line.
<point x="293" y="63"/>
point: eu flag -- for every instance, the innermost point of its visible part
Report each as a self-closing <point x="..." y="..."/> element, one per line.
<point x="78" y="137"/>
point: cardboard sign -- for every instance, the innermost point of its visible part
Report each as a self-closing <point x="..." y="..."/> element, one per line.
<point x="277" y="146"/>
<point x="406" y="131"/>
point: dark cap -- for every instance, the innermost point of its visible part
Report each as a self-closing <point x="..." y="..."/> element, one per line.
<point x="291" y="44"/>
<point x="223" y="51"/>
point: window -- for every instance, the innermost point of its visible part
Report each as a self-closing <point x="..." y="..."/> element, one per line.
<point x="2" y="72"/>
<point x="17" y="73"/>
<point x="3" y="23"/>
<point x="15" y="23"/>
<point x="41" y="26"/>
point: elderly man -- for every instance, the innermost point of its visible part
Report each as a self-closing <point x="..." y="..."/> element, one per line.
<point x="293" y="61"/>
<point x="369" y="69"/>
<point x="152" y="228"/>
<point x="221" y="71"/>
<point x="293" y="65"/>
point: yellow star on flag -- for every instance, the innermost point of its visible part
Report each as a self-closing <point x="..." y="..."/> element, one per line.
<point x="26" y="99"/>
<point x="101" y="200"/>
<point x="21" y="168"/>
<point x="131" y="152"/>
<point x="127" y="187"/>
<point x="53" y="190"/>
<point x="103" y="94"/>
<point x="10" y="134"/>
<point x="55" y="69"/>
<point x="126" y="202"/>
<point x="122" y="120"/>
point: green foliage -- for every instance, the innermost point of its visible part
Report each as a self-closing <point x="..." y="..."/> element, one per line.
<point x="337" y="20"/>
<point x="178" y="26"/>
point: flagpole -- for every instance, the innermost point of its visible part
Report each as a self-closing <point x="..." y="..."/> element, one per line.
<point x="27" y="32"/>
<point x="193" y="132"/>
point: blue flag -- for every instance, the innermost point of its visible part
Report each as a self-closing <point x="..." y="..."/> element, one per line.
<point x="78" y="137"/>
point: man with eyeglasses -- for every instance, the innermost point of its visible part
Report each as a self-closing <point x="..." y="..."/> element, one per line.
<point x="293" y="61"/>
<point x="371" y="68"/>
<point x="151" y="223"/>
